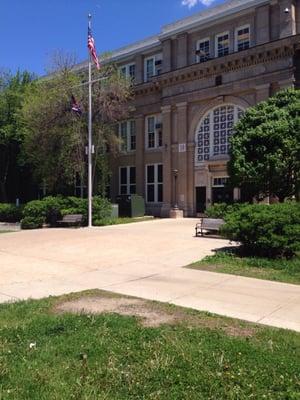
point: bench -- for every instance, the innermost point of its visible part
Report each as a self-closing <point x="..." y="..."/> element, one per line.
<point x="208" y="225"/>
<point x="71" y="219"/>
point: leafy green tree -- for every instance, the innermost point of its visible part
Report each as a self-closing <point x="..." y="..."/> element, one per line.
<point x="56" y="137"/>
<point x="265" y="155"/>
<point x="12" y="89"/>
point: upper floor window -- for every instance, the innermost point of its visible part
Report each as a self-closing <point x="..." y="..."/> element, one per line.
<point x="153" y="132"/>
<point x="214" y="132"/>
<point x="242" y="38"/>
<point x="153" y="66"/>
<point x="127" y="180"/>
<point x="127" y="134"/>
<point x="203" y="50"/>
<point x="128" y="70"/>
<point x="222" y="44"/>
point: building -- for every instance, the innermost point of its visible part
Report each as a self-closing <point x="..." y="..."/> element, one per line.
<point x="192" y="82"/>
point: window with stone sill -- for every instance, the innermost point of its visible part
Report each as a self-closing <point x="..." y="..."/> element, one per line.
<point x="154" y="183"/>
<point x="128" y="71"/>
<point x="214" y="132"/>
<point x="127" y="134"/>
<point x="203" y="50"/>
<point x="222" y="44"/>
<point x="242" y="38"/>
<point x="152" y="67"/>
<point x="153" y="132"/>
<point x="127" y="179"/>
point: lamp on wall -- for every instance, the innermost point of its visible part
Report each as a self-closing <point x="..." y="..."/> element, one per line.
<point x="286" y="10"/>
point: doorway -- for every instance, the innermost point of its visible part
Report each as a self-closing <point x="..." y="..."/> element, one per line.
<point x="200" y="199"/>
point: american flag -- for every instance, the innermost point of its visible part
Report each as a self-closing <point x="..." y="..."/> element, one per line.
<point x="92" y="48"/>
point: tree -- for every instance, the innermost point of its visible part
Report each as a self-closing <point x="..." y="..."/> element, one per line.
<point x="12" y="89"/>
<point x="56" y="137"/>
<point x="265" y="148"/>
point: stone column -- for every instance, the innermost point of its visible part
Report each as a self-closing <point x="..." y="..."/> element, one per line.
<point x="287" y="19"/>
<point x="167" y="160"/>
<point x="167" y="55"/>
<point x="139" y="69"/>
<point x="139" y="155"/>
<point x="191" y="211"/>
<point x="182" y="50"/>
<point x="182" y="155"/>
<point x="262" y="22"/>
<point x="262" y="92"/>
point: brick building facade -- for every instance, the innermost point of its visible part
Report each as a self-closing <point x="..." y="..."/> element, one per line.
<point x="192" y="82"/>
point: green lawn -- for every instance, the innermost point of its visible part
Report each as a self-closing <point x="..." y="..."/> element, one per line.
<point x="114" y="357"/>
<point x="261" y="268"/>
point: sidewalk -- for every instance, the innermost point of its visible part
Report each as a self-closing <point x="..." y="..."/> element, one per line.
<point x="144" y="260"/>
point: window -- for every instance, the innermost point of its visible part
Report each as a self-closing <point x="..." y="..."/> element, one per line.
<point x="220" y="181"/>
<point x="127" y="180"/>
<point x="153" y="132"/>
<point x="242" y="38"/>
<point x="203" y="50"/>
<point x="222" y="44"/>
<point x="127" y="134"/>
<point x="154" y="183"/>
<point x="128" y="71"/>
<point x="215" y="129"/>
<point x="153" y="66"/>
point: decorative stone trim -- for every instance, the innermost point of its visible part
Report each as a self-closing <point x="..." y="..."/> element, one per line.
<point x="261" y="54"/>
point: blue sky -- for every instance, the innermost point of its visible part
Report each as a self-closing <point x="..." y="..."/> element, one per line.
<point x="31" y="30"/>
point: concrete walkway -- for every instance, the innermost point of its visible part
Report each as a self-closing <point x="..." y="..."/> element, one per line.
<point x="144" y="260"/>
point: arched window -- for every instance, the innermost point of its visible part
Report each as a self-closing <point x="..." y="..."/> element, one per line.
<point x="214" y="131"/>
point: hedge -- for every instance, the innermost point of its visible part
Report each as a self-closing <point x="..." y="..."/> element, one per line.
<point x="265" y="230"/>
<point x="51" y="209"/>
<point x="10" y="212"/>
<point x="219" y="210"/>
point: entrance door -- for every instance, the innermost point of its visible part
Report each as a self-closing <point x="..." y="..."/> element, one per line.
<point x="200" y="199"/>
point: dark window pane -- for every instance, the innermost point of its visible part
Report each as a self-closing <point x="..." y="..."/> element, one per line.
<point x="150" y="193"/>
<point x="132" y="175"/>
<point x="150" y="174"/>
<point x="124" y="189"/>
<point x="159" y="193"/>
<point x="159" y="173"/>
<point x="123" y="176"/>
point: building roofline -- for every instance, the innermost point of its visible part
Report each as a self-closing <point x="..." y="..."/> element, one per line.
<point x="183" y="25"/>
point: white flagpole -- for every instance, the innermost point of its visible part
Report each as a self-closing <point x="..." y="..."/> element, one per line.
<point x="90" y="165"/>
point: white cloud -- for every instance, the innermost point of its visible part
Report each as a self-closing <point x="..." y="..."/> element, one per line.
<point x="193" y="3"/>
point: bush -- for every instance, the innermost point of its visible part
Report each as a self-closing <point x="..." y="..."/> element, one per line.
<point x="10" y="213"/>
<point x="51" y="209"/>
<point x="35" y="209"/>
<point x="265" y="230"/>
<point x="32" y="222"/>
<point x="219" y="210"/>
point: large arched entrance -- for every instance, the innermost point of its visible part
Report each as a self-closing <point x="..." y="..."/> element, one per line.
<point x="212" y="147"/>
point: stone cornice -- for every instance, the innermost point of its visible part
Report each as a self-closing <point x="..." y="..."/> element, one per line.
<point x="261" y="54"/>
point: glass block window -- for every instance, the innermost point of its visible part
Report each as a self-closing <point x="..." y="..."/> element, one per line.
<point x="215" y="129"/>
<point x="127" y="180"/>
<point x="222" y="44"/>
<point x="242" y="39"/>
<point x="203" y="50"/>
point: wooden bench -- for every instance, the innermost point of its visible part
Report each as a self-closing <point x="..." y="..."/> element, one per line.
<point x="208" y="225"/>
<point x="71" y="220"/>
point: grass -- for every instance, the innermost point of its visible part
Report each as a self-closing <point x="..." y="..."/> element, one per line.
<point x="122" y="220"/>
<point x="111" y="357"/>
<point x="5" y="232"/>
<point x="262" y="268"/>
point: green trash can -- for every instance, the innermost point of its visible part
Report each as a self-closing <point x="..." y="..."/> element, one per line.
<point x="131" y="206"/>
